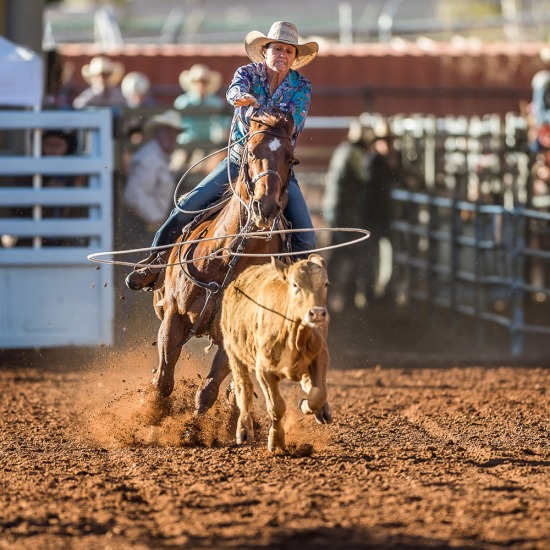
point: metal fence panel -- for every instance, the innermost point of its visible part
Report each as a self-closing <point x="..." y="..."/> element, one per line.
<point x="50" y="294"/>
<point x="478" y="260"/>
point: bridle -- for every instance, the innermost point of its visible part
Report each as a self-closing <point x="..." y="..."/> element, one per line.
<point x="244" y="169"/>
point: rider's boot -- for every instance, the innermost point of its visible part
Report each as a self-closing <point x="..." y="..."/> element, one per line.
<point x="143" y="278"/>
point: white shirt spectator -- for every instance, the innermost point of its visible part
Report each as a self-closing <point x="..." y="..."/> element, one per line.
<point x="150" y="186"/>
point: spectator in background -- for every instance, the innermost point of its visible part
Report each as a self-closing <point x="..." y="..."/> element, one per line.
<point x="206" y="120"/>
<point x="357" y="195"/>
<point x="147" y="198"/>
<point x="382" y="172"/>
<point x="538" y="119"/>
<point x="58" y="143"/>
<point x="103" y="76"/>
<point x="136" y="89"/>
<point x="58" y="80"/>
<point x="149" y="193"/>
<point x="200" y="86"/>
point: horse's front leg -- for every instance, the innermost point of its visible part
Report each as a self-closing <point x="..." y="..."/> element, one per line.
<point x="208" y="393"/>
<point x="173" y="333"/>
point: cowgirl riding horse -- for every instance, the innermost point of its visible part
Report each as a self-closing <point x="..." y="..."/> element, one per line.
<point x="271" y="80"/>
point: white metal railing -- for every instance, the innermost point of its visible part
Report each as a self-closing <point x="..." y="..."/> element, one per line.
<point x="50" y="295"/>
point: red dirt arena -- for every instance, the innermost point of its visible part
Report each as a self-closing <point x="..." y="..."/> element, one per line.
<point x="438" y="442"/>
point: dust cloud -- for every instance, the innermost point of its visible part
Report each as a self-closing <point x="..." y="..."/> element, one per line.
<point x="116" y="406"/>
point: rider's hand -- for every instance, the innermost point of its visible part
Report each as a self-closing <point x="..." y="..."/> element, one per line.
<point x="246" y="100"/>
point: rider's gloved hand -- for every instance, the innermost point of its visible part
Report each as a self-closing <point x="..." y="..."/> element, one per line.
<point x="246" y="100"/>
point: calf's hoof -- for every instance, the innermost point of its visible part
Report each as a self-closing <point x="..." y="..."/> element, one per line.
<point x="245" y="433"/>
<point x="243" y="436"/>
<point x="275" y="440"/>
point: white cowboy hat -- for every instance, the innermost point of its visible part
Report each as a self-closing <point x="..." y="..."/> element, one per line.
<point x="200" y="72"/>
<point x="103" y="65"/>
<point x="169" y="118"/>
<point x="280" y="31"/>
<point x="135" y="82"/>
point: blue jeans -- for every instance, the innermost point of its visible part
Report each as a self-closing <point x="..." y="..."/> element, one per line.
<point x="212" y="187"/>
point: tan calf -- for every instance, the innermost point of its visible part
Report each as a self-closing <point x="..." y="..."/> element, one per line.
<point x="275" y="322"/>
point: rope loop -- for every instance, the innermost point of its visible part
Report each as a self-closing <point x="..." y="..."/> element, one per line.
<point x="364" y="234"/>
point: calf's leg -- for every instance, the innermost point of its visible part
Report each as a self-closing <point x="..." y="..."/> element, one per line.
<point x="276" y="408"/>
<point x="244" y="395"/>
<point x="315" y="385"/>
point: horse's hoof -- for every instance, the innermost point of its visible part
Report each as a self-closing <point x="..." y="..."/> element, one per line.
<point x="154" y="408"/>
<point x="324" y="414"/>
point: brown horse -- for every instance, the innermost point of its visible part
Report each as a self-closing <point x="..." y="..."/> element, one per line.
<point x="189" y="304"/>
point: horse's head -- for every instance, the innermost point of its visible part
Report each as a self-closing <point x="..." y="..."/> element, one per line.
<point x="267" y="161"/>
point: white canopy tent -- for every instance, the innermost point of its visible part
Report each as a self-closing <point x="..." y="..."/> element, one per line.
<point x="21" y="76"/>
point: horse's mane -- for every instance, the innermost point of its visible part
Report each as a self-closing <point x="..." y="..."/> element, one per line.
<point x="273" y="116"/>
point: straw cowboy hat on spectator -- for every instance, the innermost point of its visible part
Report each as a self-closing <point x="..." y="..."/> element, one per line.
<point x="170" y="118"/>
<point x="280" y="31"/>
<point x="201" y="73"/>
<point x="100" y="65"/>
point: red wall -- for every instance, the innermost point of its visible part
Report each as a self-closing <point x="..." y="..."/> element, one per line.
<point x="439" y="79"/>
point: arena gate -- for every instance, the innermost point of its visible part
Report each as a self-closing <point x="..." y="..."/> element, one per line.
<point x="467" y="233"/>
<point x="50" y="294"/>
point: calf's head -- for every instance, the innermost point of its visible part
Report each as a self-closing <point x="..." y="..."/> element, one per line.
<point x="307" y="282"/>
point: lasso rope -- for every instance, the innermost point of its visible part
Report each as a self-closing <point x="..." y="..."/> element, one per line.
<point x="364" y="235"/>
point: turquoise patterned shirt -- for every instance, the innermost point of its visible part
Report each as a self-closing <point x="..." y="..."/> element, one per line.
<point x="293" y="95"/>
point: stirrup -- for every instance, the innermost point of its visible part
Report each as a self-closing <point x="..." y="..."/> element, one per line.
<point x="144" y="278"/>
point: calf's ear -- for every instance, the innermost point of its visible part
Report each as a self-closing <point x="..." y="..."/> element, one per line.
<point x="318" y="259"/>
<point x="279" y="266"/>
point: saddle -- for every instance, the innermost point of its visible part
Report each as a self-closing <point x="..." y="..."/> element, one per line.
<point x="216" y="206"/>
